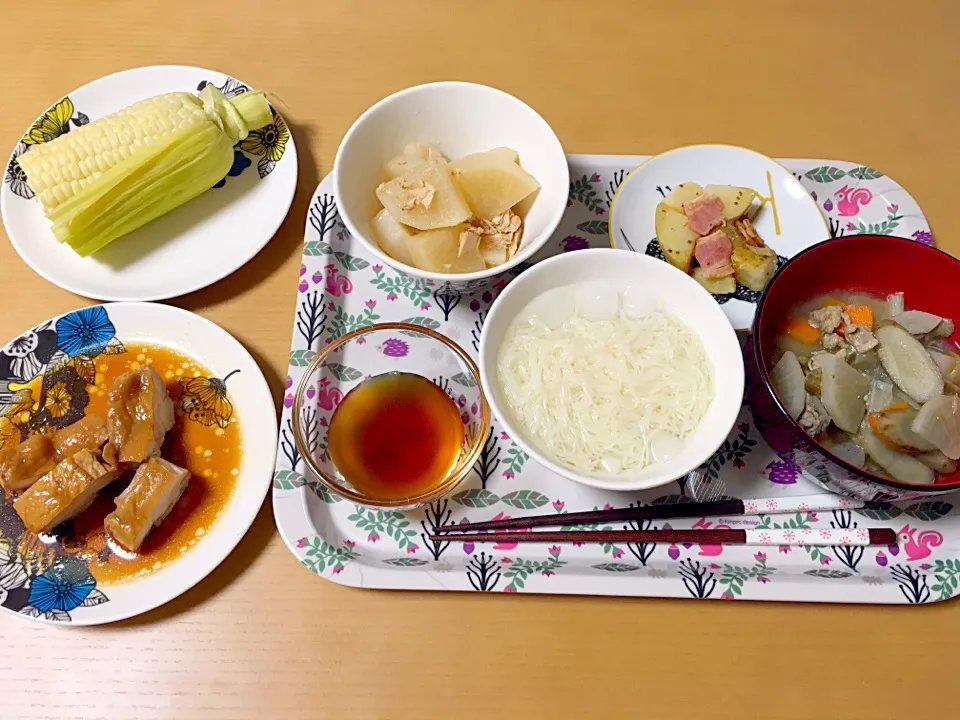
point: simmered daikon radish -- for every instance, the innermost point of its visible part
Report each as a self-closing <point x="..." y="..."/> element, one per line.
<point x="844" y="393"/>
<point x="938" y="421"/>
<point x="787" y="379"/>
<point x="893" y="426"/>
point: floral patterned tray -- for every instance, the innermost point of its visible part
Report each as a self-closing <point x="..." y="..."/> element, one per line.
<point x="341" y="289"/>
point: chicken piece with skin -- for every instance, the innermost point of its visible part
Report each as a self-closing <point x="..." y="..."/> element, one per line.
<point x="22" y="465"/>
<point x="151" y="495"/>
<point x="88" y="433"/>
<point x="139" y="415"/>
<point x="64" y="492"/>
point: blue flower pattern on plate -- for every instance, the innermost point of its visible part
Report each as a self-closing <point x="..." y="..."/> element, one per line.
<point x="63" y="587"/>
<point x="85" y="332"/>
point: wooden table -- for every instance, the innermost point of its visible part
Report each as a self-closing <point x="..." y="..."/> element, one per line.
<point x="263" y="638"/>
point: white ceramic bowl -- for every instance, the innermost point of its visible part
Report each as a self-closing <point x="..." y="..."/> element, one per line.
<point x="459" y="118"/>
<point x="671" y="290"/>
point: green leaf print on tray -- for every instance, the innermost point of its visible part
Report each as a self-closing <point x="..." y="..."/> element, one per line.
<point x="316" y="248"/>
<point x="405" y="562"/>
<point x="476" y="498"/>
<point x="884" y="228"/>
<point x="395" y="285"/>
<point x="420" y="321"/>
<point x="594" y="227"/>
<point x="301" y="358"/>
<point x="389" y="522"/>
<point x="947" y="574"/>
<point x="343" y="322"/>
<point x="583" y="191"/>
<point x="343" y="372"/>
<point x="732" y="451"/>
<point x="321" y="555"/>
<point x="288" y="480"/>
<point x="616" y="567"/>
<point x="865" y="173"/>
<point x="513" y="462"/>
<point x="525" y="499"/>
<point x="733" y="577"/>
<point x="519" y="570"/>
<point x="824" y="174"/>
<point x="929" y="511"/>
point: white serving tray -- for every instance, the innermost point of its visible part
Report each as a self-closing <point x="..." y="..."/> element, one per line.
<point x="340" y="288"/>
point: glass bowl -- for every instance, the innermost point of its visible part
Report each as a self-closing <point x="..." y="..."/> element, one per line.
<point x="383" y="348"/>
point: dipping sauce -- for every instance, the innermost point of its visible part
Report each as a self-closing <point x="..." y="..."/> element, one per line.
<point x="395" y="436"/>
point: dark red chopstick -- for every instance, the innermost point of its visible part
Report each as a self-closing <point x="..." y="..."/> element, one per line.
<point x="667" y="511"/>
<point x="750" y="536"/>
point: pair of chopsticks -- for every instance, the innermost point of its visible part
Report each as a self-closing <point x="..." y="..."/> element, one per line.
<point x="522" y="527"/>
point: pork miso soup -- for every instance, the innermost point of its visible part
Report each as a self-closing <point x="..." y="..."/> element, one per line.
<point x="874" y="381"/>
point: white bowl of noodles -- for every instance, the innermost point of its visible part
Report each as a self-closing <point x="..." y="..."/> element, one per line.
<point x="612" y="369"/>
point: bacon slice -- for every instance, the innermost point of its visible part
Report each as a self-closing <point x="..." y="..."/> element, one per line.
<point x="704" y="213"/>
<point x="713" y="253"/>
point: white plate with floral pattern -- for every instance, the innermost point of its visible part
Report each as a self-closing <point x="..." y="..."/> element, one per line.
<point x="191" y="247"/>
<point x="225" y="433"/>
<point x="789" y="221"/>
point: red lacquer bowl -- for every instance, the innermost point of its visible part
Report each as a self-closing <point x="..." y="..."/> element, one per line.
<point x="877" y="264"/>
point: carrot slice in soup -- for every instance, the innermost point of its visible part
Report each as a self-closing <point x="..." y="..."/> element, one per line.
<point x="800" y="329"/>
<point x="860" y="315"/>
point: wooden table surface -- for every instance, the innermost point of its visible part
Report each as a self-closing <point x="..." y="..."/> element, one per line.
<point x="263" y="638"/>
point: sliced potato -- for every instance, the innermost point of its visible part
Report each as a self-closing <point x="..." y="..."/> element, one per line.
<point x="492" y="183"/>
<point x="392" y="236"/>
<point x="736" y="200"/>
<point x="425" y="197"/>
<point x="439" y="251"/>
<point x="753" y="267"/>
<point x="682" y="193"/>
<point x="676" y="240"/>
<point x="715" y="286"/>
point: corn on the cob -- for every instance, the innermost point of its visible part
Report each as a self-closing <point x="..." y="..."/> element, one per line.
<point x="113" y="175"/>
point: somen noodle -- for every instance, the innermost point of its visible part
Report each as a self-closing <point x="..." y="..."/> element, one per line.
<point x="606" y="396"/>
